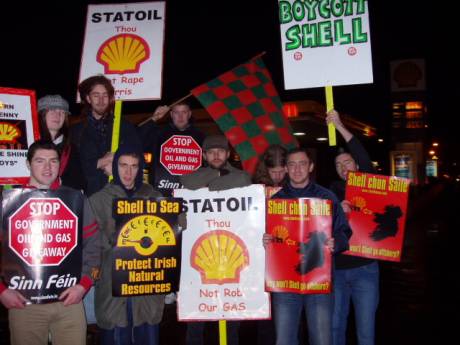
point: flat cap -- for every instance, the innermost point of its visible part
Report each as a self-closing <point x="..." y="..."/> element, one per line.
<point x="52" y="102"/>
<point x="215" y="142"/>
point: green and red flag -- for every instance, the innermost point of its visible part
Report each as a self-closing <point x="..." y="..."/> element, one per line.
<point x="247" y="108"/>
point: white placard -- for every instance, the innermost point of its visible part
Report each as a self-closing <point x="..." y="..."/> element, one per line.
<point x="325" y="43"/>
<point x="125" y="43"/>
<point x="18" y="130"/>
<point x="223" y="260"/>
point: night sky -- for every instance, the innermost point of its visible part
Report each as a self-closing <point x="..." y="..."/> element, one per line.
<point x="42" y="44"/>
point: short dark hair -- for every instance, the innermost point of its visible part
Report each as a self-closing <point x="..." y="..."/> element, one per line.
<point x="300" y="150"/>
<point x="182" y="103"/>
<point x="41" y="145"/>
<point x="341" y="150"/>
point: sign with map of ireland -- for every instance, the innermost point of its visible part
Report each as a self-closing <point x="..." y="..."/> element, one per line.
<point x="325" y="43"/>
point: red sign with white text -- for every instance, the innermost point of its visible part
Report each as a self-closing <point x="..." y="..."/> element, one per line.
<point x="43" y="231"/>
<point x="298" y="260"/>
<point x="180" y="155"/>
<point x="378" y="215"/>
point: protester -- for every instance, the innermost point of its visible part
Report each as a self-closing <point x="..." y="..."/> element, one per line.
<point x="123" y="320"/>
<point x="270" y="171"/>
<point x="218" y="175"/>
<point x="154" y="136"/>
<point x="65" y="320"/>
<point x="356" y="278"/>
<point x="53" y="112"/>
<point x="93" y="136"/>
<point x="287" y="307"/>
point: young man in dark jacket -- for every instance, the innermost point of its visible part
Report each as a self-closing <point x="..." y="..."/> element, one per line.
<point x="153" y="137"/>
<point x="63" y="320"/>
<point x="93" y="136"/>
<point x="123" y="319"/>
<point x="356" y="279"/>
<point x="287" y="307"/>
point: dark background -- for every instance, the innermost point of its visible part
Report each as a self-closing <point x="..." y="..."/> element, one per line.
<point x="42" y="42"/>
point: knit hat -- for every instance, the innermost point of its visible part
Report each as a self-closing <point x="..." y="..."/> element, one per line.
<point x="215" y="142"/>
<point x="50" y="102"/>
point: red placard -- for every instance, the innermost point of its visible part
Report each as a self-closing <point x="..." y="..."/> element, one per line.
<point x="180" y="155"/>
<point x="298" y="260"/>
<point x="43" y="231"/>
<point x="378" y="215"/>
<point x="18" y="130"/>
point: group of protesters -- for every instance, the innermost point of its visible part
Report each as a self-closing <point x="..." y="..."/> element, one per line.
<point x="79" y="159"/>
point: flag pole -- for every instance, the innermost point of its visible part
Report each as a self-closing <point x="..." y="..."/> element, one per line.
<point x="329" y="107"/>
<point x="169" y="106"/>
<point x="116" y="128"/>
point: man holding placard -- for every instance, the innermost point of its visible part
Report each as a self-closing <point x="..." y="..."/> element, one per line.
<point x="288" y="307"/>
<point x="219" y="175"/>
<point x="176" y="147"/>
<point x="93" y="136"/>
<point x="356" y="278"/>
<point x="122" y="318"/>
<point x="45" y="268"/>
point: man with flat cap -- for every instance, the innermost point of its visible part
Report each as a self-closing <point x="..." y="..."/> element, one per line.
<point x="218" y="175"/>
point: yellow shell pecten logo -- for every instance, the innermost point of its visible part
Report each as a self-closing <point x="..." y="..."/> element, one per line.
<point x="146" y="233"/>
<point x="219" y="256"/>
<point x="123" y="54"/>
<point x="280" y="231"/>
<point x="358" y="202"/>
<point x="8" y="133"/>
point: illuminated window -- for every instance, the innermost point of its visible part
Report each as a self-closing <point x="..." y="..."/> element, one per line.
<point x="414" y="105"/>
<point x="291" y="110"/>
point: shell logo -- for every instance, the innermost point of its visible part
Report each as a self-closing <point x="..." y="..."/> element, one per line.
<point x="8" y="133"/>
<point x="219" y="256"/>
<point x="358" y="202"/>
<point x="123" y="54"/>
<point x="146" y="233"/>
<point x="280" y="231"/>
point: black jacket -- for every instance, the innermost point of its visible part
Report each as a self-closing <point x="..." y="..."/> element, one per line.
<point x="92" y="146"/>
<point x="362" y="159"/>
<point x="153" y="137"/>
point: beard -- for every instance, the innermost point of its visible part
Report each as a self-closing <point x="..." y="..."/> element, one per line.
<point x="217" y="164"/>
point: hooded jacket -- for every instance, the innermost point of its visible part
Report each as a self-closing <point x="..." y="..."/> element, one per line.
<point x="112" y="311"/>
